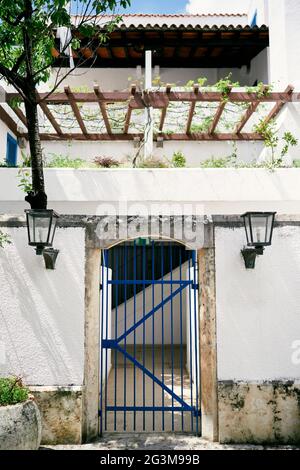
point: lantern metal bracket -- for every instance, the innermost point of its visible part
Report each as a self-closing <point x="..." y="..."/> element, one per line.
<point x="250" y="254"/>
<point x="50" y="256"/>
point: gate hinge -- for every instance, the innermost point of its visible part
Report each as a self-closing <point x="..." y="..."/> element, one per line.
<point x="197" y="413"/>
<point x="101" y="286"/>
<point x="195" y="286"/>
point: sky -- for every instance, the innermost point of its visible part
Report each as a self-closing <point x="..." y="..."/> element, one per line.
<point x="188" y="6"/>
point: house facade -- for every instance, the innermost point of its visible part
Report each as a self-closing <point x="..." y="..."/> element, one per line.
<point x="150" y="321"/>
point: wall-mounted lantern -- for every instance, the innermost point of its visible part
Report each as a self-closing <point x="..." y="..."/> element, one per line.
<point x="259" y="230"/>
<point x="41" y="226"/>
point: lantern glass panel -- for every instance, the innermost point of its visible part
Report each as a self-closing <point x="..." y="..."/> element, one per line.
<point x="53" y="228"/>
<point x="41" y="227"/>
<point x="269" y="228"/>
<point x="41" y="232"/>
<point x="247" y="227"/>
<point x="259" y="229"/>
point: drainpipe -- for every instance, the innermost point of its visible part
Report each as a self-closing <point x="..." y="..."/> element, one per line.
<point x="148" y="134"/>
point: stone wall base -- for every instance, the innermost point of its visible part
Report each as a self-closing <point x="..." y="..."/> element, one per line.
<point x="259" y="413"/>
<point x="61" y="413"/>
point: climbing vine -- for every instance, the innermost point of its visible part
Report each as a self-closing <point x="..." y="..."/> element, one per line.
<point x="272" y="140"/>
<point x="176" y="118"/>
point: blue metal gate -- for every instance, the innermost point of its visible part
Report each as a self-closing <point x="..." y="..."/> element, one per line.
<point x="149" y="364"/>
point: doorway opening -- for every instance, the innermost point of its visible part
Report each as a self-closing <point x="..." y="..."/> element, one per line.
<point x="149" y="353"/>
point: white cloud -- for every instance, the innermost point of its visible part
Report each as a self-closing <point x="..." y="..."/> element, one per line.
<point x="217" y="6"/>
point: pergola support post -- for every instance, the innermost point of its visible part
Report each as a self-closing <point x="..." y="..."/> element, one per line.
<point x="148" y="134"/>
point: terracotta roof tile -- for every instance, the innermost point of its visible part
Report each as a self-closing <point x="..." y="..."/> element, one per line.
<point x="183" y="15"/>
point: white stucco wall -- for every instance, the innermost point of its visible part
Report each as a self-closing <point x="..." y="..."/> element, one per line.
<point x="42" y="311"/>
<point x="284" y="65"/>
<point x="194" y="152"/>
<point x="258" y="315"/>
<point x="160" y="191"/>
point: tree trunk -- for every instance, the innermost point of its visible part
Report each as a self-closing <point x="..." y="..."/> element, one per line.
<point x="37" y="198"/>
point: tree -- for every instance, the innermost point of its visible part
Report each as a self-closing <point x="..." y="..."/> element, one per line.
<point x="27" y="38"/>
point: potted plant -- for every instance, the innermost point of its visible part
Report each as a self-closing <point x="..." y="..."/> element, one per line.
<point x="20" y="420"/>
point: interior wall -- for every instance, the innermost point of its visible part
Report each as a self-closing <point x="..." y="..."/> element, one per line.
<point x="116" y="79"/>
<point x="173" y="306"/>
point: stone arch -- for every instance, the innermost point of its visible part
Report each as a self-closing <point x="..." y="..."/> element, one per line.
<point x="207" y="334"/>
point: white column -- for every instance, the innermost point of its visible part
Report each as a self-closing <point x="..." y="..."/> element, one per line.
<point x="284" y="24"/>
<point x="148" y="134"/>
<point x="284" y="63"/>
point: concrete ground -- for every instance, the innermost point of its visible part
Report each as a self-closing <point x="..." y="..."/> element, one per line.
<point x="160" y="442"/>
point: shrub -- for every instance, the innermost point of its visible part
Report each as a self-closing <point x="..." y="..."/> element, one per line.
<point x="178" y="160"/>
<point x="216" y="163"/>
<point x="60" y="161"/>
<point x="12" y="391"/>
<point x="106" y="162"/>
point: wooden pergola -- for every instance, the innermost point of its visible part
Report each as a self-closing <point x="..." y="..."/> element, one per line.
<point x="159" y="100"/>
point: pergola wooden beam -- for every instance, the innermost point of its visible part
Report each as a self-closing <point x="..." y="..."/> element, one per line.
<point x="208" y="96"/>
<point x="103" y="110"/>
<point x="159" y="100"/>
<point x="11" y="124"/>
<point x="50" y="117"/>
<point x="19" y="113"/>
<point x="170" y="137"/>
<point x="192" y="110"/>
<point x="72" y="101"/>
<point x="129" y="109"/>
<point x="164" y="110"/>
<point x="251" y="109"/>
<point x="279" y="105"/>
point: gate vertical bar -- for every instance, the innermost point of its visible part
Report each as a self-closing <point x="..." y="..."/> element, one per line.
<point x="106" y="331"/>
<point x="116" y="332"/>
<point x="195" y="281"/>
<point x="181" y="339"/>
<point x="190" y="338"/>
<point x="172" y="330"/>
<point x="153" y="335"/>
<point x="144" y="332"/>
<point x="125" y="328"/>
<point x="134" y="334"/>
<point x="162" y="339"/>
<point x="102" y="410"/>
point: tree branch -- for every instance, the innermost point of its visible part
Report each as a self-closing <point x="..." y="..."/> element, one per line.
<point x="17" y="20"/>
<point x="18" y="63"/>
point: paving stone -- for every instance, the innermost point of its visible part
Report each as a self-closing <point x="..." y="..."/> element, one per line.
<point x="160" y="442"/>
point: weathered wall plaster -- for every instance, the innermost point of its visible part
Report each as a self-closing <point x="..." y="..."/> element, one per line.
<point x="258" y="325"/>
<point x="61" y="413"/>
<point x="264" y="412"/>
